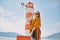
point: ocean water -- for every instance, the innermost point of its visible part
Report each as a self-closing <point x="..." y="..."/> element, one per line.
<point x="41" y="39"/>
<point x="4" y="38"/>
<point x="50" y="39"/>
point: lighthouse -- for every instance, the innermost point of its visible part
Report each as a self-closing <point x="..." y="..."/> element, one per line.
<point x="29" y="10"/>
<point x="29" y="13"/>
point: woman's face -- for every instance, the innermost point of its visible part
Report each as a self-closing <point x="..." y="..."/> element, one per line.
<point x="36" y="15"/>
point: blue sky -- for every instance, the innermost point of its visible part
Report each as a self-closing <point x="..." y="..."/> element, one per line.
<point x="13" y="17"/>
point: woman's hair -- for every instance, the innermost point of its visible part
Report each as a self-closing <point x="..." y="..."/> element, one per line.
<point x="38" y="13"/>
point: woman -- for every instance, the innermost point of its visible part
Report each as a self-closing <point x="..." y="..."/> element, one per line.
<point x="36" y="24"/>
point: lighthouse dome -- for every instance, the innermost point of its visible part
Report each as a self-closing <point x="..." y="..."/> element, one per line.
<point x="29" y="5"/>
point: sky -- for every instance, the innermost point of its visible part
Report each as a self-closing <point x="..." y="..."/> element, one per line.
<point x="12" y="17"/>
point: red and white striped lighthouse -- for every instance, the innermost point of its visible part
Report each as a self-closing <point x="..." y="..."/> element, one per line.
<point x="29" y="13"/>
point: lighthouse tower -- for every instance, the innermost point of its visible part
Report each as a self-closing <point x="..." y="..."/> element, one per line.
<point x="29" y="13"/>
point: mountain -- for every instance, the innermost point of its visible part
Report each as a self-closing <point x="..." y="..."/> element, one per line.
<point x="8" y="34"/>
<point x="56" y="35"/>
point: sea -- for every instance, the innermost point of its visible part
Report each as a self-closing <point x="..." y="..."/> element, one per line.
<point x="4" y="38"/>
<point x="50" y="39"/>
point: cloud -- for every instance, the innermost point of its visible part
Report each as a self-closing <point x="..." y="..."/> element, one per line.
<point x="57" y="24"/>
<point x="5" y="12"/>
<point x="15" y="25"/>
<point x="45" y="32"/>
